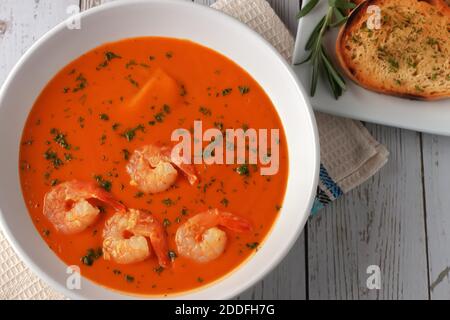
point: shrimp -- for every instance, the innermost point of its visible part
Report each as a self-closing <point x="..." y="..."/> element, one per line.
<point x="68" y="208"/>
<point x="151" y="168"/>
<point x="126" y="250"/>
<point x="199" y="239"/>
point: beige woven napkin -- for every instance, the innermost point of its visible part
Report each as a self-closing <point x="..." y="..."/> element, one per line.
<point x="350" y="155"/>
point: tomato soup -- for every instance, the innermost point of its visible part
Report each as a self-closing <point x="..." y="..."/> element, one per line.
<point x="119" y="97"/>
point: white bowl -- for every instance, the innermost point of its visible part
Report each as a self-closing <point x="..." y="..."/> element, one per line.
<point x="124" y="19"/>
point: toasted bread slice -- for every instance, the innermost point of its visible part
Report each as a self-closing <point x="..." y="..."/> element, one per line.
<point x="408" y="55"/>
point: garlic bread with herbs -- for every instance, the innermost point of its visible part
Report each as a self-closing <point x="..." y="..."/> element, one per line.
<point x="408" y="55"/>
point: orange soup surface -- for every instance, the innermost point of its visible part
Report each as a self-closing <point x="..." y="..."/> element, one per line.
<point x="121" y="96"/>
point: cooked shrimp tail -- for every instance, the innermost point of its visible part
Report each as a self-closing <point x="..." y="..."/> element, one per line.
<point x="109" y="199"/>
<point x="150" y="227"/>
<point x="185" y="166"/>
<point x="233" y="222"/>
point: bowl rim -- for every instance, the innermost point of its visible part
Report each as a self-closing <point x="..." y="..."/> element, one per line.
<point x="42" y="274"/>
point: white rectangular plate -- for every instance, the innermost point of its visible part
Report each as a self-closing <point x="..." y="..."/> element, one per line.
<point x="359" y="103"/>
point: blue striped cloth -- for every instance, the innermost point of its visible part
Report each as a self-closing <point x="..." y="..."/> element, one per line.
<point x="327" y="191"/>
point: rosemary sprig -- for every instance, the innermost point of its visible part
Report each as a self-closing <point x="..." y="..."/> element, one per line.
<point x="336" y="15"/>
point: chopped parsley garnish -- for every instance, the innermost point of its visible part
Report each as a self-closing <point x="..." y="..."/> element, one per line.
<point x="105" y="184"/>
<point x="133" y="82"/>
<point x="184" y="211"/>
<point x="167" y="202"/>
<point x="225" y="202"/>
<point x="129" y="278"/>
<point x="108" y="56"/>
<point x="104" y="117"/>
<point x="126" y="154"/>
<point x="81" y="122"/>
<point x="60" y="138"/>
<point x="138" y="194"/>
<point x="102" y="139"/>
<point x="243" y="170"/>
<point x="432" y="41"/>
<point x="158" y="270"/>
<point x="129" y="134"/>
<point x="111" y="55"/>
<point x="200" y="280"/>
<point x="166" y="222"/>
<point x="115" y="126"/>
<point x="226" y="91"/>
<point x="54" y="182"/>
<point x="393" y="64"/>
<point x="252" y="245"/>
<point x="169" y="54"/>
<point x="91" y="256"/>
<point x="131" y="63"/>
<point x="53" y="158"/>
<point x="81" y="83"/>
<point x="205" y="111"/>
<point x="166" y="108"/>
<point x="243" y="89"/>
<point x="46" y="232"/>
<point x="418" y="88"/>
<point x="159" y="117"/>
<point x="172" y="255"/>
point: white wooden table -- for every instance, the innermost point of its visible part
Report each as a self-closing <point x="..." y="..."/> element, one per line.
<point x="397" y="220"/>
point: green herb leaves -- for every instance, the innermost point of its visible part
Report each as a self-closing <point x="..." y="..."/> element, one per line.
<point x="91" y="256"/>
<point x="130" y="133"/>
<point x="307" y="8"/>
<point x="252" y="245"/>
<point x="53" y="158"/>
<point x="318" y="57"/>
<point x="108" y="56"/>
<point x="243" y="89"/>
<point x="243" y="170"/>
<point x="105" y="184"/>
<point x="81" y="83"/>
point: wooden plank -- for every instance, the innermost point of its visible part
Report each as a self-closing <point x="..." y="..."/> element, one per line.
<point x="86" y="4"/>
<point x="436" y="171"/>
<point x="22" y="23"/>
<point x="286" y="281"/>
<point x="380" y="223"/>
